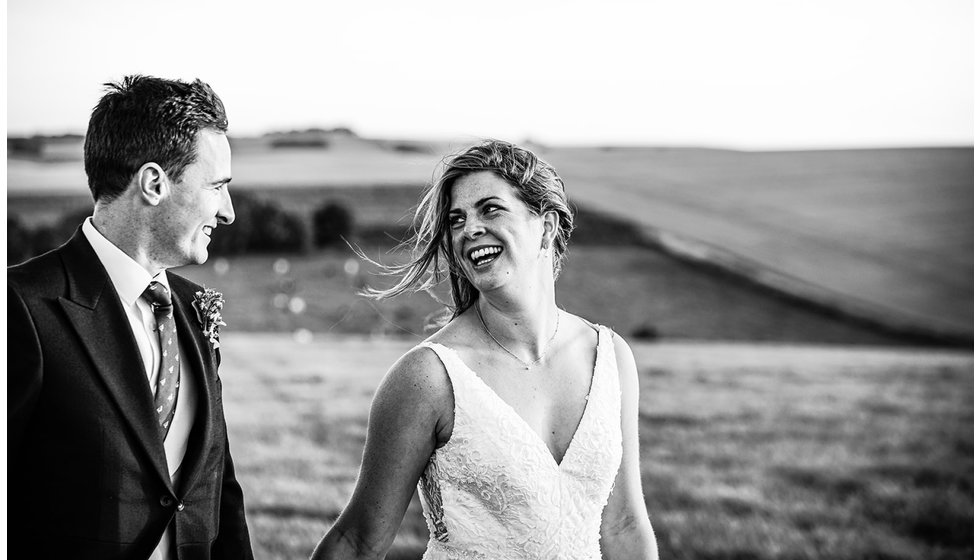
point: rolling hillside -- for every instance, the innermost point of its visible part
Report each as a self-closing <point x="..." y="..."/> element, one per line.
<point x="881" y="236"/>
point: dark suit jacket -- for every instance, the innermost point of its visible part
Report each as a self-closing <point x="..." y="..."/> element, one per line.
<point x="87" y="473"/>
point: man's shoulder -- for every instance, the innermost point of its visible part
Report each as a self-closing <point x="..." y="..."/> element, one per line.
<point x="51" y="269"/>
<point x="182" y="285"/>
<point x="39" y="274"/>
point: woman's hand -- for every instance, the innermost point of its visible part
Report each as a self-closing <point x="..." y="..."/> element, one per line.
<point x="412" y="407"/>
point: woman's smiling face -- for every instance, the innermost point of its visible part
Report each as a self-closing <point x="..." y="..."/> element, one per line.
<point x="494" y="234"/>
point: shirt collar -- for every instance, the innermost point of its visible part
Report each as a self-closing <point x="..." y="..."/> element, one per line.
<point x="129" y="278"/>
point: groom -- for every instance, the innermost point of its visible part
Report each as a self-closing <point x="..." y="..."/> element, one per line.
<point x="116" y="437"/>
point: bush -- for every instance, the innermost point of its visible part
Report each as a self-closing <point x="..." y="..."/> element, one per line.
<point x="33" y="146"/>
<point x="259" y="226"/>
<point x="276" y="231"/>
<point x="290" y="142"/>
<point x="332" y="223"/>
<point x="646" y="331"/>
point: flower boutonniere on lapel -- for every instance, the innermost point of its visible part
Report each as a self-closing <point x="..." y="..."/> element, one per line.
<point x="208" y="306"/>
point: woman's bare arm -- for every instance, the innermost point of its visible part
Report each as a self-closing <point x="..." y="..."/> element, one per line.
<point x="412" y="406"/>
<point x="626" y="530"/>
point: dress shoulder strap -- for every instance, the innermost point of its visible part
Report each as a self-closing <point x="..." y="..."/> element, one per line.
<point x="439" y="349"/>
<point x="450" y="360"/>
<point x="465" y="384"/>
<point x="608" y="367"/>
<point x="605" y="337"/>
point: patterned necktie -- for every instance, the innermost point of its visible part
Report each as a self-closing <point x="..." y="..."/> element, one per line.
<point x="168" y="378"/>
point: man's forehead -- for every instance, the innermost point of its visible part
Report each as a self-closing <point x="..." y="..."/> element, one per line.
<point x="211" y="137"/>
<point x="214" y="145"/>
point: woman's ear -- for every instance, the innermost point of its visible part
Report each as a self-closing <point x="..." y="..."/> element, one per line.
<point x="153" y="183"/>
<point x="550" y="223"/>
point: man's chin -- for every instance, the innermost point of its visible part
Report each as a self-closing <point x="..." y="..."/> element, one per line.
<point x="201" y="257"/>
<point x="197" y="257"/>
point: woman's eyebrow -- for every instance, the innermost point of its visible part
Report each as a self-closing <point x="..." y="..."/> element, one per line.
<point x="478" y="203"/>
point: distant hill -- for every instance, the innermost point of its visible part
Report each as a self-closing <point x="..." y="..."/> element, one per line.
<point x="885" y="235"/>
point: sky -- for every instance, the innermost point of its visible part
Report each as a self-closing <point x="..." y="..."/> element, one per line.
<point x="751" y="74"/>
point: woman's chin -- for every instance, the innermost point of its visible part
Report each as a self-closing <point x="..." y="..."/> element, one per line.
<point x="490" y="280"/>
<point x="478" y="276"/>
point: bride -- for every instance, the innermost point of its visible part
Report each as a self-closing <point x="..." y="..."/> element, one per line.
<point x="517" y="421"/>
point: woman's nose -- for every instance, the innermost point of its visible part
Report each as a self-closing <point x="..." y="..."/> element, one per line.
<point x="473" y="229"/>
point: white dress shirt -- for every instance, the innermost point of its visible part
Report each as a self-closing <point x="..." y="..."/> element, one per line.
<point x="130" y="280"/>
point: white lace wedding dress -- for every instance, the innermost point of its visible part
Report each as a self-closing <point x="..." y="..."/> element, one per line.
<point x="494" y="491"/>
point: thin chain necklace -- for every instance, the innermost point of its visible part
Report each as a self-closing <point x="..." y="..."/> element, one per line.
<point x="527" y="365"/>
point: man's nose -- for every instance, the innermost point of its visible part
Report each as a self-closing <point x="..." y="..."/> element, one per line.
<point x="226" y="212"/>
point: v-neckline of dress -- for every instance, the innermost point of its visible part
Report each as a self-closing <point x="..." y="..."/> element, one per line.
<point x="542" y="444"/>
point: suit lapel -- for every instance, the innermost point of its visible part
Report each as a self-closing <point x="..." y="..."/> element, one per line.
<point x="94" y="310"/>
<point x="202" y="368"/>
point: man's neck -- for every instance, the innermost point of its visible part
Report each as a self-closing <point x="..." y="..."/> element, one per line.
<point x="128" y="239"/>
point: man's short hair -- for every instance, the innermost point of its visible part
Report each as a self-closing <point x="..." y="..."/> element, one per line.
<point x="144" y="119"/>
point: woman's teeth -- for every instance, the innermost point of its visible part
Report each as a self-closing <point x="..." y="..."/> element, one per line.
<point x="485" y="255"/>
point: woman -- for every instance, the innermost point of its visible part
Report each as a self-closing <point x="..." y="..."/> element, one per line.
<point x="517" y="420"/>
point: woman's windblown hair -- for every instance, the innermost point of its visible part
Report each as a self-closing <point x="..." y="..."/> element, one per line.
<point x="538" y="186"/>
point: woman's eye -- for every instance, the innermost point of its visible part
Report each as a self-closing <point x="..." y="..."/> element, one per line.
<point x="455" y="221"/>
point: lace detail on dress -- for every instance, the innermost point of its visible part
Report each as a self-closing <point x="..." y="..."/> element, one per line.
<point x="429" y="491"/>
<point x="494" y="491"/>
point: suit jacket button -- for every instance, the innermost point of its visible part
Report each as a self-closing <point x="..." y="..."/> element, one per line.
<point x="180" y="506"/>
<point x="166" y="501"/>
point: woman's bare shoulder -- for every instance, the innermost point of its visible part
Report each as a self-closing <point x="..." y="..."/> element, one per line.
<point x="417" y="380"/>
<point x="419" y="366"/>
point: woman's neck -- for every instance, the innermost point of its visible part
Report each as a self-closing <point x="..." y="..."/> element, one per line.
<point x="525" y="320"/>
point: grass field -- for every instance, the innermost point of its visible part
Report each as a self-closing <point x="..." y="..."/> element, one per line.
<point x="748" y="451"/>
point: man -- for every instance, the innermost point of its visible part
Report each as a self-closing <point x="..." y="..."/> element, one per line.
<point x="117" y="444"/>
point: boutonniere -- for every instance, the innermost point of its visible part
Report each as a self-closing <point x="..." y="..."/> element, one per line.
<point x="208" y="306"/>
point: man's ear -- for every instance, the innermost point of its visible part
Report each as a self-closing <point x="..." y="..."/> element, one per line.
<point x="153" y="183"/>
